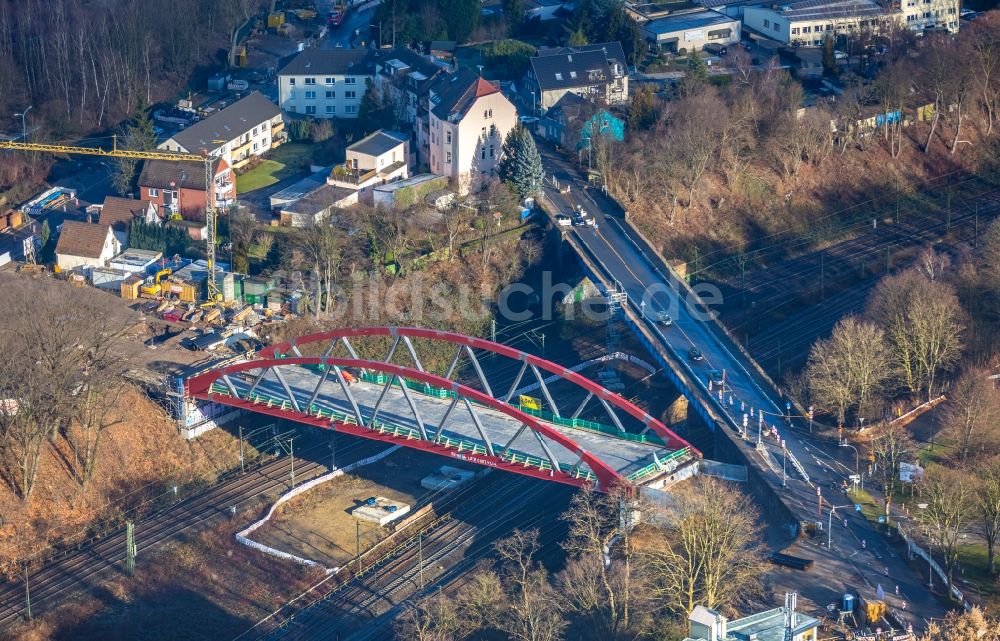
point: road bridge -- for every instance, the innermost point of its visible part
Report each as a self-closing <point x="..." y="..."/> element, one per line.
<point x="576" y="432"/>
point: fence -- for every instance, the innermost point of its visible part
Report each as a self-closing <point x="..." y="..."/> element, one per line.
<point x="241" y="536"/>
<point x="925" y="555"/>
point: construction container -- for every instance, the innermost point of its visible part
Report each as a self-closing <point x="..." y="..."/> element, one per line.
<point x="226" y="284"/>
<point x="185" y="292"/>
<point x="107" y="278"/>
<point x="243" y="315"/>
<point x="275" y="20"/>
<point x="211" y="315"/>
<point x="257" y="287"/>
<point x="130" y="287"/>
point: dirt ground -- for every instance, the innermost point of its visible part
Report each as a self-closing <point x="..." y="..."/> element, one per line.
<point x="318" y="525"/>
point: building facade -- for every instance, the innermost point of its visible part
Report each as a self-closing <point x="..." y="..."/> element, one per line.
<point x="690" y="31"/>
<point x="325" y="83"/>
<point x="469" y="119"/>
<point x="250" y="127"/>
<point x="597" y="72"/>
<point x="403" y="78"/>
<point x="84" y="246"/>
<point x="179" y="187"/>
<point x="375" y="160"/>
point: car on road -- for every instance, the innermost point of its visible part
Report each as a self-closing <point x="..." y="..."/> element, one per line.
<point x="563" y="220"/>
<point x="664" y="319"/>
<point x="839" y="55"/>
<point x="715" y="376"/>
<point x="695" y="354"/>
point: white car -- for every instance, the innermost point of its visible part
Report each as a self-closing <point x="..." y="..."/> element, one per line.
<point x="839" y="55"/>
<point x="563" y="220"/>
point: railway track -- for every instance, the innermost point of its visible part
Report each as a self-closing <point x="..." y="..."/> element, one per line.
<point x="83" y="568"/>
<point x="472" y="529"/>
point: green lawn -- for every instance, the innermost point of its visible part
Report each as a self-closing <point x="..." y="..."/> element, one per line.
<point x="972" y="558"/>
<point x="287" y="160"/>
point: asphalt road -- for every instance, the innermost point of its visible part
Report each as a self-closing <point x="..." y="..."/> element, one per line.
<point x="358" y="20"/>
<point x="624" y="257"/>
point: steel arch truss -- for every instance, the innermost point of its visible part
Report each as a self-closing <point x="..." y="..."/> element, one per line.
<point x="318" y="391"/>
<point x="529" y="368"/>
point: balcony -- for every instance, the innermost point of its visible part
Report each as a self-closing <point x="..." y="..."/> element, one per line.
<point x="351" y="176"/>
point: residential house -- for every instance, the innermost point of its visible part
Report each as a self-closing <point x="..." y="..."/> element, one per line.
<point x="326" y="83"/>
<point x="690" y="31"/>
<point x="84" y="246"/>
<point x="778" y="624"/>
<point x="376" y="159"/>
<point x="120" y="212"/>
<point x="403" y="78"/>
<point x="442" y="49"/>
<point x="545" y="10"/>
<point x="249" y="127"/>
<point x="597" y="72"/>
<point x="469" y="120"/>
<point x="179" y="187"/>
<point x="21" y="243"/>
<point x="573" y="120"/>
<point x="808" y="23"/>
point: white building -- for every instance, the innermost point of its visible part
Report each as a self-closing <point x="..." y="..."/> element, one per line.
<point x="690" y="31"/>
<point x="325" y="83"/>
<point x="83" y="246"/>
<point x="771" y="625"/>
<point x="404" y="78"/>
<point x="249" y="127"/>
<point x="376" y="159"/>
<point x="468" y="121"/>
<point x="808" y="23"/>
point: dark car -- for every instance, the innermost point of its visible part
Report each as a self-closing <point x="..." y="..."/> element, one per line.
<point x="695" y="354"/>
<point x="715" y="376"/>
<point x="715" y="49"/>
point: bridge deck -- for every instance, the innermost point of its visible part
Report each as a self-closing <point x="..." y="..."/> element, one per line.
<point x="628" y="458"/>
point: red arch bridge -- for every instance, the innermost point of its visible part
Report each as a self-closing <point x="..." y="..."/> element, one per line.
<point x="494" y="405"/>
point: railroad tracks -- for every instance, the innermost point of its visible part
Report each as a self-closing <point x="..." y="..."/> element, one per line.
<point x="85" y="567"/>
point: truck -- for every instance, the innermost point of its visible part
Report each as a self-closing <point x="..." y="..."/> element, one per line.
<point x="337" y="15"/>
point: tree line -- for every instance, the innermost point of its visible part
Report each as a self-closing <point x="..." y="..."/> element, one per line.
<point x="621" y="579"/>
<point x="724" y="160"/>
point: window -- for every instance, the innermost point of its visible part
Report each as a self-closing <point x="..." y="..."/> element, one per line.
<point x="795" y="31"/>
<point x="447" y="137"/>
<point x="153" y="193"/>
<point x="829" y="27"/>
<point x="491" y="151"/>
<point x="291" y="81"/>
<point x="807" y="29"/>
<point x="311" y="109"/>
<point x="447" y="157"/>
<point x="767" y="23"/>
<point x="254" y="131"/>
<point x="328" y="81"/>
<point x="255" y="146"/>
<point x="776" y="27"/>
<point x="330" y="109"/>
<point x="559" y="75"/>
<point x="493" y="130"/>
<point x="331" y="94"/>
<point x="350" y="94"/>
<point x="350" y="80"/>
<point x="310" y="81"/>
<point x="482" y="154"/>
<point x="310" y="95"/>
<point x="572" y="74"/>
<point x="927" y="14"/>
<point x="351" y="109"/>
<point x="264" y="142"/>
<point x="482" y="133"/>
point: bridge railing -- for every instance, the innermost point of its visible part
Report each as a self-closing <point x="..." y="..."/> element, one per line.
<point x="668" y="461"/>
<point x="410" y="433"/>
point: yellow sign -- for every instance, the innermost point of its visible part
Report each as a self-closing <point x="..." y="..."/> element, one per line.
<point x="529" y="402"/>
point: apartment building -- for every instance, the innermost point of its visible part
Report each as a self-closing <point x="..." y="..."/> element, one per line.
<point x="404" y="77"/>
<point x="325" y="83"/>
<point x="249" y="127"/>
<point x="597" y="72"/>
<point x="468" y="120"/>
<point x="179" y="187"/>
<point x="375" y="160"/>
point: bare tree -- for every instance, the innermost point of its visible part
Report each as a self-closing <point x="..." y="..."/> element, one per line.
<point x="850" y="367"/>
<point x="890" y="445"/>
<point x="936" y="69"/>
<point x="972" y="413"/>
<point x="983" y="37"/>
<point x="532" y="613"/>
<point x="987" y="499"/>
<point x="963" y="626"/>
<point x="950" y="507"/>
<point x="433" y="618"/>
<point x="321" y="246"/>
<point x="709" y="552"/>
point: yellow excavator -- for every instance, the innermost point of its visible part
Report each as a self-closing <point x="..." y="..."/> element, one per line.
<point x="152" y="290"/>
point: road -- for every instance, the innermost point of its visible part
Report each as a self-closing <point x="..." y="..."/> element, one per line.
<point x="625" y="258"/>
<point x="354" y="30"/>
<point x="85" y="568"/>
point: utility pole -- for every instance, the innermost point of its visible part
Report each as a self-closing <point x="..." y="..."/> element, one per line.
<point x="243" y="468"/>
<point x="27" y="591"/>
<point x="130" y="548"/>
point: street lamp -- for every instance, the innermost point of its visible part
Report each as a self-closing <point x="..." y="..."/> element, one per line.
<point x="24" y="129"/>
<point x="857" y="457"/>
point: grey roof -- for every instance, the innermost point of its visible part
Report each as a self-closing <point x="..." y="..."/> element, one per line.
<point x="330" y="61"/>
<point x="568" y="70"/>
<point x="455" y="93"/>
<point x="227" y="124"/>
<point x="820" y="9"/>
<point x="567" y="108"/>
<point x="613" y="50"/>
<point x="685" y="21"/>
<point x="172" y="174"/>
<point x="377" y="143"/>
<point x="417" y="71"/>
<point x="318" y="200"/>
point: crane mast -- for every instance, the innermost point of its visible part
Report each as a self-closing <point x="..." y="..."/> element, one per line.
<point x="206" y="160"/>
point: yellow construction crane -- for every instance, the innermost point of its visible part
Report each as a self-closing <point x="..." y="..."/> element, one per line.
<point x="206" y="160"/>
